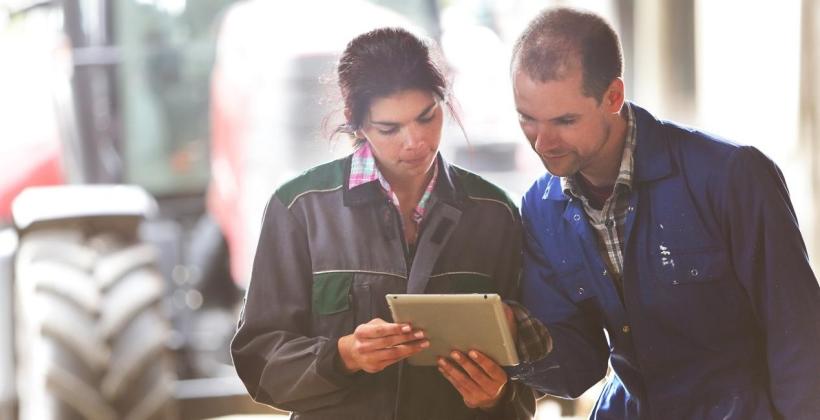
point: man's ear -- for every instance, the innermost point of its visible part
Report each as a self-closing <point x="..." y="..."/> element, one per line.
<point x="614" y="96"/>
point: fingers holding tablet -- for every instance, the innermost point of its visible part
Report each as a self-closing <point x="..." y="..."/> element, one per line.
<point x="479" y="380"/>
<point x="377" y="344"/>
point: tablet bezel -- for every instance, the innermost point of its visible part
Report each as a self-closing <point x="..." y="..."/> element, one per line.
<point x="479" y="324"/>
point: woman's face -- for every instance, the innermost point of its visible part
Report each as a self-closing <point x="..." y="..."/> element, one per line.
<point x="404" y="132"/>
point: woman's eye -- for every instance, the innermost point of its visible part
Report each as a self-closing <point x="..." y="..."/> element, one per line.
<point x="427" y="119"/>
<point x="393" y="130"/>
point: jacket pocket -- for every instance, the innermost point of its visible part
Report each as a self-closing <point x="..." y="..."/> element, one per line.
<point x="702" y="265"/>
<point x="361" y="297"/>
<point x="331" y="300"/>
<point x="341" y="301"/>
<point x="331" y="292"/>
<point x="695" y="296"/>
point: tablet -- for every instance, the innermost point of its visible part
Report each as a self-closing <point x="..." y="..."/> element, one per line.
<point x="456" y="322"/>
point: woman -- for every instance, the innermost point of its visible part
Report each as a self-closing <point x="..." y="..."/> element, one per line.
<point x="393" y="217"/>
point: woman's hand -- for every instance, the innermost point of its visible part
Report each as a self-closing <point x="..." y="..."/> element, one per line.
<point x="479" y="380"/>
<point x="378" y="344"/>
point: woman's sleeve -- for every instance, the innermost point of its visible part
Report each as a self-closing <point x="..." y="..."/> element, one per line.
<point x="276" y="359"/>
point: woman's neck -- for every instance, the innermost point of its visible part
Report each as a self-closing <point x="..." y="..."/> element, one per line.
<point x="410" y="190"/>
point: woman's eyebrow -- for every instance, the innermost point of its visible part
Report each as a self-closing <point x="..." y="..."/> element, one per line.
<point x="421" y="114"/>
<point x="426" y="110"/>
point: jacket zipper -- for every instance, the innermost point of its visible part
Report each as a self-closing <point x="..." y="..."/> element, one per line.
<point x="404" y="246"/>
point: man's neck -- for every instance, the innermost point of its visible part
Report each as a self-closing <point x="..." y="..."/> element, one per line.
<point x="604" y="172"/>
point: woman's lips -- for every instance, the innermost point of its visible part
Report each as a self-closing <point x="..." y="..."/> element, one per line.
<point x="415" y="161"/>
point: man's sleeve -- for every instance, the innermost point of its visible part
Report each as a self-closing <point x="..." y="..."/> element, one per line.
<point x="770" y="260"/>
<point x="519" y="401"/>
<point x="279" y="364"/>
<point x="579" y="354"/>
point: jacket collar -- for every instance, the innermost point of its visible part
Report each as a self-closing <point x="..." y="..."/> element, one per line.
<point x="447" y="187"/>
<point x="653" y="159"/>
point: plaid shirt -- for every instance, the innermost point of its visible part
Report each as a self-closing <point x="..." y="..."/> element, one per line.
<point x="363" y="169"/>
<point x="609" y="221"/>
<point x="534" y="341"/>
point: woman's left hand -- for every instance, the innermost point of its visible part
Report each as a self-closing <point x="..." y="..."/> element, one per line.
<point x="480" y="380"/>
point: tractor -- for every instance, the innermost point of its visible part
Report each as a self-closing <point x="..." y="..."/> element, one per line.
<point x="141" y="139"/>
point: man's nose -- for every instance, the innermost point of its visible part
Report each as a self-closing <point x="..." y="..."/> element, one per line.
<point x="544" y="140"/>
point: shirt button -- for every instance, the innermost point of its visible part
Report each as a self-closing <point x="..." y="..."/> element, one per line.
<point x="625" y="329"/>
<point x="576" y="217"/>
<point x="675" y="282"/>
<point x="609" y="222"/>
<point x="603" y="273"/>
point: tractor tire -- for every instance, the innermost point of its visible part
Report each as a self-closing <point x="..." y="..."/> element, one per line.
<point x="91" y="328"/>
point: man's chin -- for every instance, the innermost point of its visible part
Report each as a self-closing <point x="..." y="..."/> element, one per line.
<point x="559" y="170"/>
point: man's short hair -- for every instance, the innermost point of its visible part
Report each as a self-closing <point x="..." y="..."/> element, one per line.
<point x="559" y="39"/>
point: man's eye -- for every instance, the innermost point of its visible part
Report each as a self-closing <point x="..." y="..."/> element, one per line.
<point x="566" y="121"/>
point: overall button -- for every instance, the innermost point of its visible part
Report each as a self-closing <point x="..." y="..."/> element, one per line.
<point x="694" y="272"/>
<point x="576" y="217"/>
<point x="580" y="290"/>
<point x="609" y="222"/>
<point x="630" y="209"/>
<point x="625" y="329"/>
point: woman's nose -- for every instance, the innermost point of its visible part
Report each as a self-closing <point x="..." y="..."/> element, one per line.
<point x="413" y="136"/>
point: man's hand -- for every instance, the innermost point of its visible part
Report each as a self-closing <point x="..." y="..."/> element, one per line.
<point x="511" y="322"/>
<point x="479" y="380"/>
<point x="378" y="344"/>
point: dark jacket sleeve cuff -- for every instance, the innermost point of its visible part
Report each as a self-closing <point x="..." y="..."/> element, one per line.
<point x="329" y="365"/>
<point x="518" y="402"/>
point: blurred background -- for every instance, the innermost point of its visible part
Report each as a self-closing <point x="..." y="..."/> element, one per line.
<point x="208" y="105"/>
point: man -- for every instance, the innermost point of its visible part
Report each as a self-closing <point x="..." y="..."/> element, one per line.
<point x="672" y="256"/>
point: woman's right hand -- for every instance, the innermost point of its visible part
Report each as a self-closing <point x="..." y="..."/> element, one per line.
<point x="378" y="344"/>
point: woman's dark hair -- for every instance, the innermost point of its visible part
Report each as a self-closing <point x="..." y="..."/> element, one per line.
<point x="382" y="62"/>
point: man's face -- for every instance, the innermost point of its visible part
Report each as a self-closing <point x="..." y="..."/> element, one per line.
<point x="565" y="128"/>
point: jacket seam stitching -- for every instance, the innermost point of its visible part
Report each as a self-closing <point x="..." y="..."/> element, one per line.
<point x="462" y="272"/>
<point x="359" y="271"/>
<point x="311" y="191"/>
